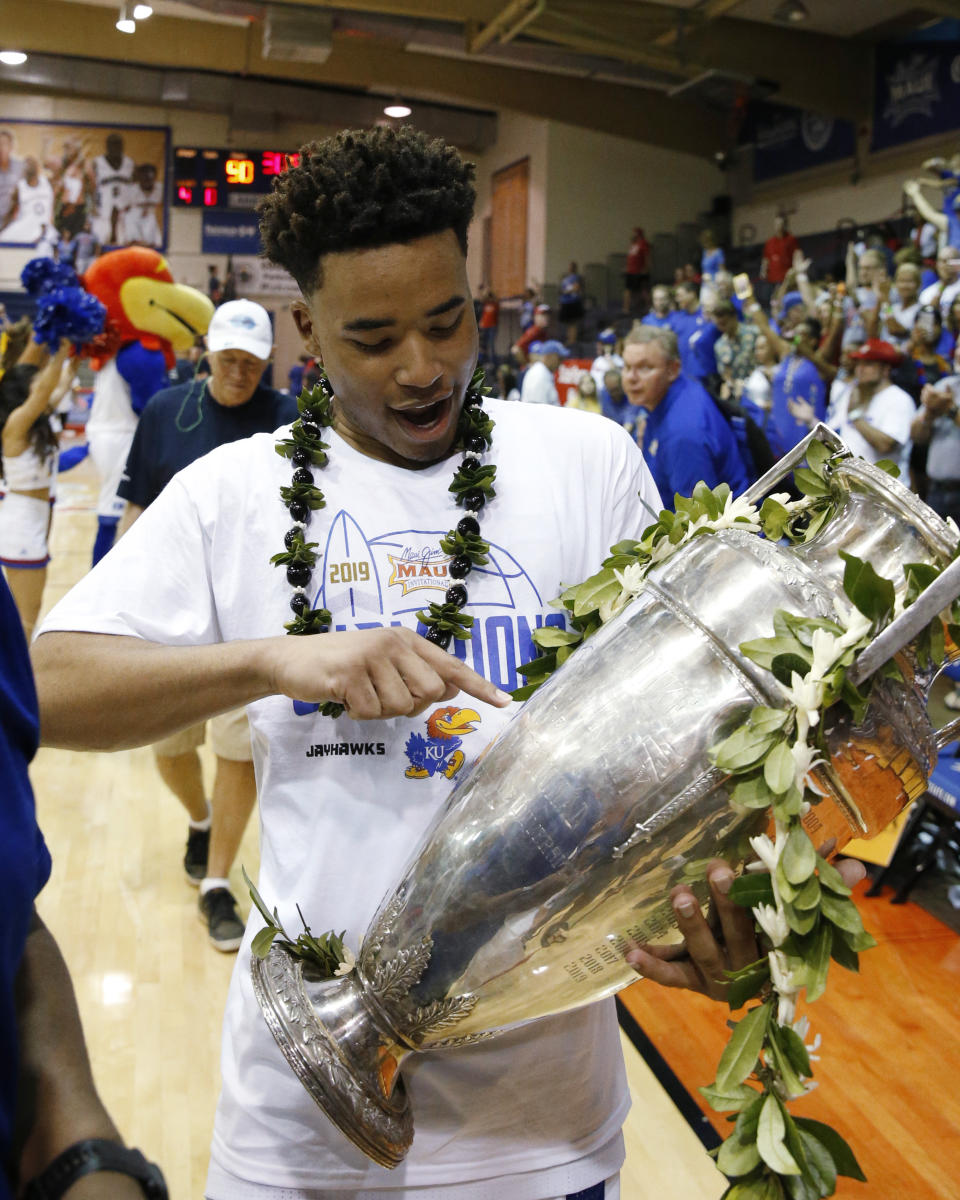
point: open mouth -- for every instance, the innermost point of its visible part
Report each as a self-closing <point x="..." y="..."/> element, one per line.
<point x="425" y="418"/>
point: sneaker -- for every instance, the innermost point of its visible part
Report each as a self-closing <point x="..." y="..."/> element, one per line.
<point x="195" y="855"/>
<point x="219" y="910"/>
<point x="952" y="700"/>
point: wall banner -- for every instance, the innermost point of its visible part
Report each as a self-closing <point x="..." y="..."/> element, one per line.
<point x="787" y="140"/>
<point x="63" y="181"/>
<point x="916" y="92"/>
<point x="258" y="277"/>
<point x="569" y="374"/>
<point x="230" y="233"/>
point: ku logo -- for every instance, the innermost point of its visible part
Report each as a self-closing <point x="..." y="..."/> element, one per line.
<point x="439" y="752"/>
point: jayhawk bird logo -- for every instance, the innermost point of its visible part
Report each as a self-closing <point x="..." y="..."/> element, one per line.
<point x="440" y="749"/>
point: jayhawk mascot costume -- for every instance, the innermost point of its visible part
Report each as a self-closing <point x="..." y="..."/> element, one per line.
<point x="149" y="318"/>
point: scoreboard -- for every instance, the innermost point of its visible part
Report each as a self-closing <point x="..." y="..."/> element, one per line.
<point x="205" y="178"/>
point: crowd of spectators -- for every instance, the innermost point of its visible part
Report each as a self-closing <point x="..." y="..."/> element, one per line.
<point x="869" y="346"/>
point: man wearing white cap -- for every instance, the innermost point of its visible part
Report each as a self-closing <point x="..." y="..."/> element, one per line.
<point x="179" y="425"/>
<point x="539" y="380"/>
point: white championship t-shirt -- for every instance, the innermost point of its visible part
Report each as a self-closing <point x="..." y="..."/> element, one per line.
<point x="533" y="1113"/>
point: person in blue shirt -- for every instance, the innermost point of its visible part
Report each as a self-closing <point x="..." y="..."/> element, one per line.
<point x="614" y="403"/>
<point x="947" y="219"/>
<point x="701" y="350"/>
<point x="686" y="438"/>
<point x="659" y="315"/>
<point x="796" y="384"/>
<point x="686" y="320"/>
<point x="49" y="1106"/>
<point x="712" y="260"/>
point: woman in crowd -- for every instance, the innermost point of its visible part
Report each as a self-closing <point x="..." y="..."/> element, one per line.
<point x="756" y="390"/>
<point x="951" y="331"/>
<point x="29" y="392"/>
<point x="922" y="364"/>
<point x="922" y="359"/>
<point x="585" y="396"/>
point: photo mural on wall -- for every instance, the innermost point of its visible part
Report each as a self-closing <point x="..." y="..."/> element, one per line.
<point x="71" y="189"/>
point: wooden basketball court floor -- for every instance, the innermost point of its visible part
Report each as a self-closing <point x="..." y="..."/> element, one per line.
<point x="151" y="988"/>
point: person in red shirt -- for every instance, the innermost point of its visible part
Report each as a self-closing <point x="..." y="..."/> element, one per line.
<point x="536" y="333"/>
<point x="636" y="279"/>
<point x="489" y="318"/>
<point x="778" y="252"/>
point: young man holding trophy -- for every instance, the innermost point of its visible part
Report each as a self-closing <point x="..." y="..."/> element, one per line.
<point x="348" y="521"/>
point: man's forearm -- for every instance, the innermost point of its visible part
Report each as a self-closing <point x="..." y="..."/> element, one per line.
<point x="103" y="692"/>
<point x="57" y="1099"/>
<point x="881" y="442"/>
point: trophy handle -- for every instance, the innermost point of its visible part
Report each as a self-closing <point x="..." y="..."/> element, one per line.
<point x="899" y="633"/>
<point x="820" y="433"/>
<point x="950" y="732"/>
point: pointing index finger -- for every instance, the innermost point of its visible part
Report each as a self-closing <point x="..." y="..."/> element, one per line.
<point x="453" y="671"/>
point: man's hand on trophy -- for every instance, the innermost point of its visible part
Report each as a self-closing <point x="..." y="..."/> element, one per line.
<point x="723" y="940"/>
<point x="374" y="673"/>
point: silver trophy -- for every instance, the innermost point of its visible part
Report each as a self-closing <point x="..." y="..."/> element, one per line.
<point x="532" y="884"/>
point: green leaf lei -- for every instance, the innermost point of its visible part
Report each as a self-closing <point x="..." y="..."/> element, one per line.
<point x="803" y="911"/>
<point x="472" y="484"/>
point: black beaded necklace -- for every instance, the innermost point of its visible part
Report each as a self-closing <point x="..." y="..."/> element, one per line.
<point x="472" y="486"/>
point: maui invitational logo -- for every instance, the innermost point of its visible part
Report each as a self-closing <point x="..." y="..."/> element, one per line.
<point x="911" y="89"/>
<point x="420" y="567"/>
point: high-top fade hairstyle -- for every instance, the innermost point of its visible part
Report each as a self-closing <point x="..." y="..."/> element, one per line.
<point x="361" y="189"/>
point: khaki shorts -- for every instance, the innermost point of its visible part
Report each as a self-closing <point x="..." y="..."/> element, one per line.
<point x="229" y="738"/>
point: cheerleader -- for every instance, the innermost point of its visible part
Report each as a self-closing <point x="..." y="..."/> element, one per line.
<point x="29" y="393"/>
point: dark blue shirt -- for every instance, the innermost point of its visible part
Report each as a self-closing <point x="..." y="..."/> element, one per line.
<point x="796" y="379"/>
<point x="24" y="858"/>
<point x="181" y="424"/>
<point x="686" y="439"/>
<point x="652" y="319"/>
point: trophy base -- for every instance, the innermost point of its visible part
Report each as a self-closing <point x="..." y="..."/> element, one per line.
<point x="312" y="1022"/>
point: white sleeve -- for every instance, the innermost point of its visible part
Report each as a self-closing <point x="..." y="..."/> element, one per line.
<point x="837" y="408"/>
<point x="154" y="584"/>
<point x="894" y="415"/>
<point x="633" y="502"/>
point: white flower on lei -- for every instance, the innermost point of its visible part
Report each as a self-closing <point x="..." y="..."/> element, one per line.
<point x="786" y="501"/>
<point x="783" y="985"/>
<point x="826" y="650"/>
<point x="349" y="962"/>
<point x="805" y="695"/>
<point x="801" y="1028"/>
<point x="857" y="625"/>
<point x="773" y="922"/>
<point x="631" y="579"/>
<point x="737" y="513"/>
<point x="804" y="760"/>
<point x="767" y="852"/>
